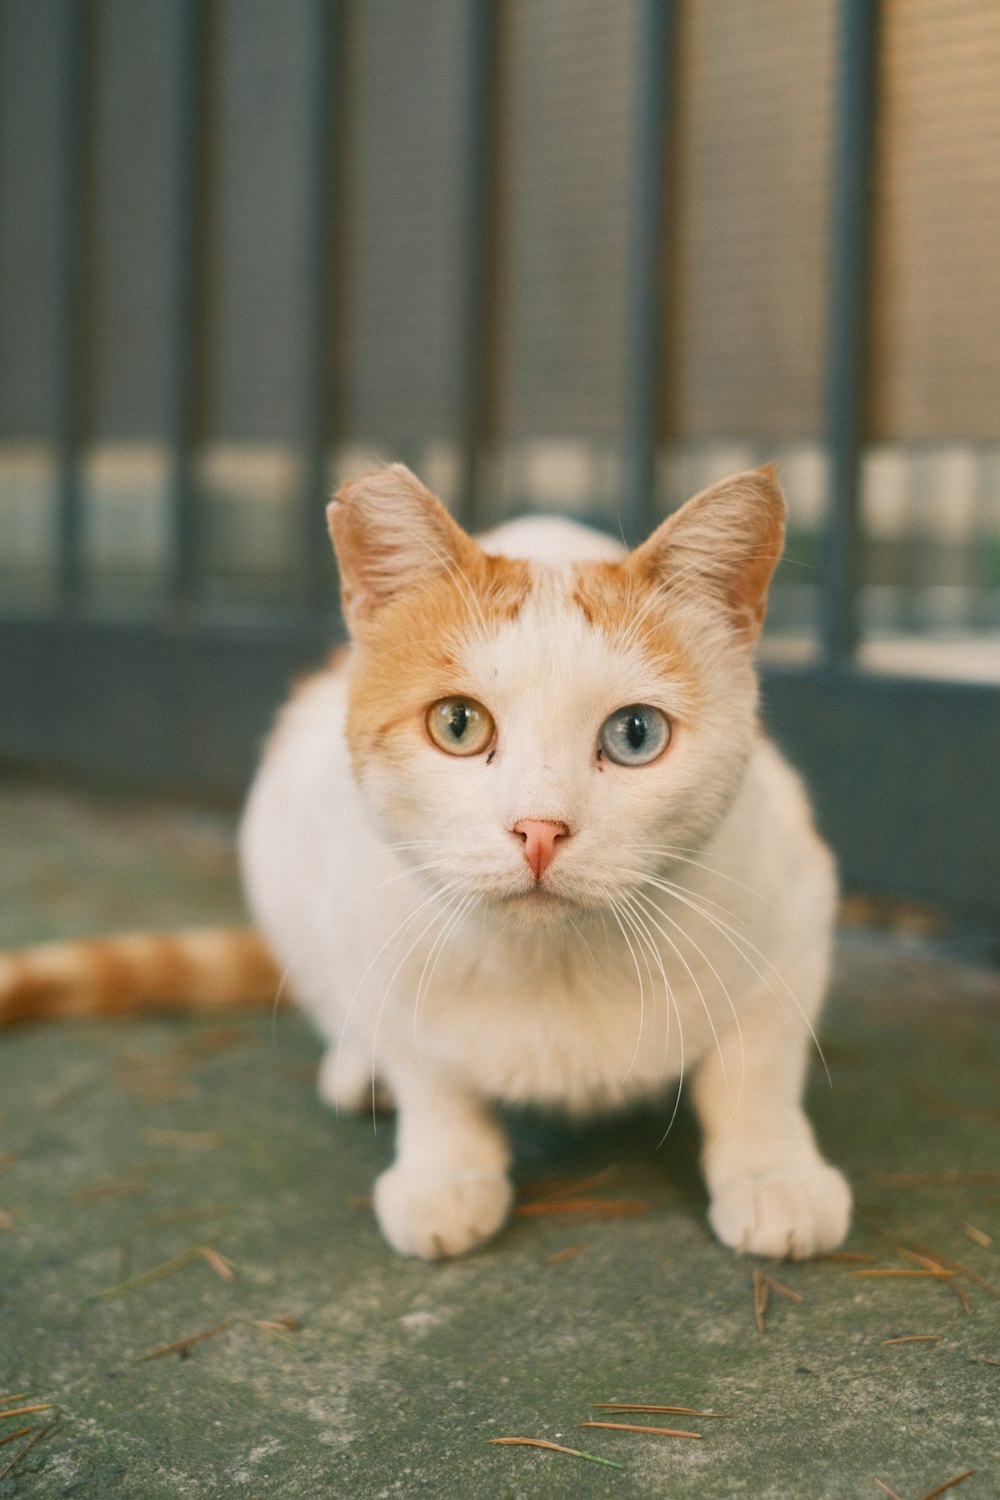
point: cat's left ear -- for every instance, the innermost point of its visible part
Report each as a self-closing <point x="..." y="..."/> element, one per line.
<point x="390" y="533"/>
<point x="725" y="542"/>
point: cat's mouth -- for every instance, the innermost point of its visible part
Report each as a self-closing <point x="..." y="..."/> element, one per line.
<point x="539" y="900"/>
<point x="544" y="893"/>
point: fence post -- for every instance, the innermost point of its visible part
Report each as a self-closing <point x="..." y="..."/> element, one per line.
<point x="847" y="326"/>
<point x="70" y="297"/>
<point x="478" y="203"/>
<point x="182" y="256"/>
<point x="321" y="394"/>
<point x="644" y="344"/>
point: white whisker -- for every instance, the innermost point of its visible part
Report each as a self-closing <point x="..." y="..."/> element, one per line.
<point x="643" y="928"/>
<point x="448" y="931"/>
<point x="462" y="585"/>
<point x="651" y="904"/>
<point x="436" y="916"/>
<point x="393" y="936"/>
<point x="735" y="939"/>
<point x="424" y="868"/>
<point x="667" y="851"/>
<point x="613" y="908"/>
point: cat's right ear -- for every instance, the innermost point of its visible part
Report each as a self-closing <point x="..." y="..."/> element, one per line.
<point x="390" y="533"/>
<point x="726" y="542"/>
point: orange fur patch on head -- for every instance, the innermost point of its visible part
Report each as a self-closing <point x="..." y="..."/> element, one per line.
<point x="413" y="585"/>
<point x="409" y="654"/>
<point x="623" y="608"/>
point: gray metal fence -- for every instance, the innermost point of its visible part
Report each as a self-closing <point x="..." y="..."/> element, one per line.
<point x="575" y="253"/>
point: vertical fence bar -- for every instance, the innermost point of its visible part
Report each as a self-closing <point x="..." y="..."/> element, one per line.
<point x="320" y="395"/>
<point x="847" y="329"/>
<point x="477" y="187"/>
<point x="655" y="67"/>
<point x="182" y="264"/>
<point x="70" y="315"/>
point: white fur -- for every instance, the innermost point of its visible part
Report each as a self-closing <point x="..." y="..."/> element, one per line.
<point x="552" y="540"/>
<point x="461" y="985"/>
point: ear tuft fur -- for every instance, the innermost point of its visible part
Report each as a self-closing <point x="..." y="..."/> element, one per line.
<point x="389" y="533"/>
<point x="727" y="540"/>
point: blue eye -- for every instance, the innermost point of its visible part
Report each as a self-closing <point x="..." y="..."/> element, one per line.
<point x="635" y="735"/>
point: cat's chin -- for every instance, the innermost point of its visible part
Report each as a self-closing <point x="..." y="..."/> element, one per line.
<point x="539" y="906"/>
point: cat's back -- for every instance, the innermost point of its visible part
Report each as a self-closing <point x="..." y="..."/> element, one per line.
<point x="301" y="803"/>
<point x="311" y="722"/>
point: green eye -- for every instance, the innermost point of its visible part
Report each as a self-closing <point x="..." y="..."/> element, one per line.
<point x="635" y="735"/>
<point x="459" y="726"/>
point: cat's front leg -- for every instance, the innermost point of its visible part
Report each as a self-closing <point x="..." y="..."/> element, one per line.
<point x="771" y="1191"/>
<point x="448" y="1189"/>
<point x="347" y="1081"/>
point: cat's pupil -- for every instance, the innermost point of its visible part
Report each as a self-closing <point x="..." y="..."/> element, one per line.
<point x="459" y="720"/>
<point x="635" y="730"/>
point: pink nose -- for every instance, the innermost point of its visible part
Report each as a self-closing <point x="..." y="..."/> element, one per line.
<point x="540" y="836"/>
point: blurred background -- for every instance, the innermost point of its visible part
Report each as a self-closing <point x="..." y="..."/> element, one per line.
<point x="583" y="255"/>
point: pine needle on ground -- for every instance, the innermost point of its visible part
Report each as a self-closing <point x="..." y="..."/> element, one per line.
<point x="519" y="1442"/>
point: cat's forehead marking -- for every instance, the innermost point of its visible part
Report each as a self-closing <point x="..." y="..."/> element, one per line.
<point x="555" y="646"/>
<point x="622" y="605"/>
<point x="579" y="639"/>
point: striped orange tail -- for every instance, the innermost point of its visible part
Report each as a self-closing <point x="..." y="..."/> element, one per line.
<point x="214" y="968"/>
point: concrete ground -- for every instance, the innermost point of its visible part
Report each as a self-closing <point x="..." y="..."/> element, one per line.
<point x="177" y="1184"/>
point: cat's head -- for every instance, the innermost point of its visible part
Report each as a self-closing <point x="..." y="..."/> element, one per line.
<point x="545" y="732"/>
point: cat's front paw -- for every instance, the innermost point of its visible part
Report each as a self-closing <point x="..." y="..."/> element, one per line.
<point x="792" y="1212"/>
<point x="438" y="1214"/>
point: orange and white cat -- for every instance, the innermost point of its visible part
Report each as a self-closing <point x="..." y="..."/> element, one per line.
<point x="524" y="842"/>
